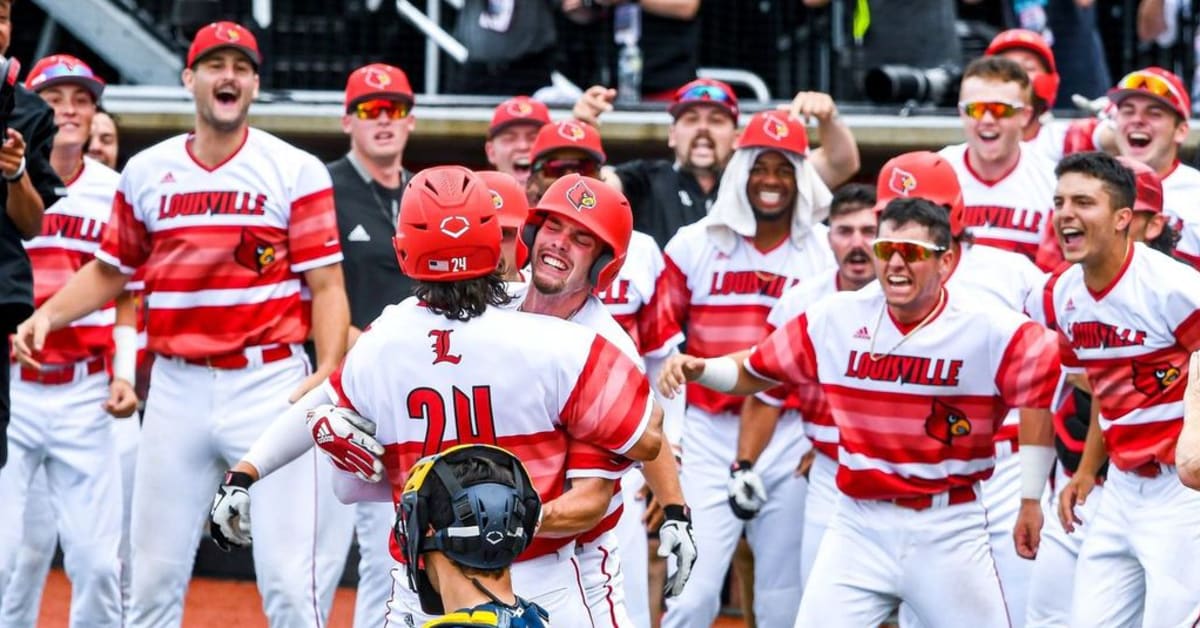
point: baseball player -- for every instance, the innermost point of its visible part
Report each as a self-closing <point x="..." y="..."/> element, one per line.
<point x="606" y="403"/>
<point x="1126" y="316"/>
<point x="512" y="206"/>
<point x="723" y="275"/>
<point x="464" y="517"/>
<point x="579" y="236"/>
<point x="1056" y="551"/>
<point x="852" y="225"/>
<point x="918" y="380"/>
<point x="237" y="231"/>
<point x="72" y="440"/>
<point x="510" y="136"/>
<point x="104" y="142"/>
<point x="1006" y="184"/>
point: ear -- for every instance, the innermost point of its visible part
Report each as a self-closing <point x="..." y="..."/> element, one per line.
<point x="256" y="85"/>
<point x="1181" y="132"/>
<point x="490" y="152"/>
<point x="1154" y="226"/>
<point x="671" y="141"/>
<point x="347" y="121"/>
<point x="189" y="78"/>
<point x="1123" y="218"/>
<point x="946" y="263"/>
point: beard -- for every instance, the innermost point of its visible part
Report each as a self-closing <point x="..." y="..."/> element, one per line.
<point x="208" y="114"/>
<point x="713" y="168"/>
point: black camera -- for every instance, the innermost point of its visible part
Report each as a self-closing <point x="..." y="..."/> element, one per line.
<point x="901" y="84"/>
<point x="9" y="69"/>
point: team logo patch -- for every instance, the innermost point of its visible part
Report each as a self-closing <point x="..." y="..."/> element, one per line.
<point x="1151" y="379"/>
<point x="441" y="347"/>
<point x="571" y="130"/>
<point x="455" y="226"/>
<point x="228" y="33"/>
<point x="519" y="108"/>
<point x="376" y="77"/>
<point x="902" y="182"/>
<point x="254" y="252"/>
<point x="581" y="197"/>
<point x="497" y="200"/>
<point x="945" y="422"/>
<point x="775" y="128"/>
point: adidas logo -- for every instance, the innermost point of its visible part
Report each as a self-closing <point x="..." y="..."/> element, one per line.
<point x="862" y="334"/>
<point x="1070" y="305"/>
<point x="168" y="178"/>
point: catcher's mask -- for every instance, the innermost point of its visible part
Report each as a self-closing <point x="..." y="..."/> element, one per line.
<point x="493" y="520"/>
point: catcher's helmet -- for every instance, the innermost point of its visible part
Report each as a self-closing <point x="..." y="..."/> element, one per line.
<point x="448" y="228"/>
<point x="494" y="520"/>
<point x="922" y="174"/>
<point x="776" y="130"/>
<point x="511" y="205"/>
<point x="597" y="206"/>
<point x="1046" y="85"/>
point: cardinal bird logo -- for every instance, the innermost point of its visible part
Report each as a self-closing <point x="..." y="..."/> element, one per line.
<point x="581" y="197"/>
<point x="497" y="200"/>
<point x="902" y="182"/>
<point x="519" y="108"/>
<point x="775" y="128"/>
<point x="377" y="78"/>
<point x="945" y="422"/>
<point x="254" y="252"/>
<point x="571" y="131"/>
<point x="1152" y="379"/>
<point x="228" y="33"/>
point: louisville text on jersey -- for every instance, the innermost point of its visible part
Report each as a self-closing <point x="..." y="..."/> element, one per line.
<point x="750" y="282"/>
<point x="73" y="227"/>
<point x="211" y="203"/>
<point x="1097" y="335"/>
<point x="1004" y="217"/>
<point x="904" y="369"/>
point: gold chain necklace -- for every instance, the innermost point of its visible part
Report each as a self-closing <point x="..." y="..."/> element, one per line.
<point x="928" y="317"/>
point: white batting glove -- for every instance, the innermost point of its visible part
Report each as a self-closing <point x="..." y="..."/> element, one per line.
<point x="229" y="518"/>
<point x="348" y="439"/>
<point x="675" y="539"/>
<point x="746" y="491"/>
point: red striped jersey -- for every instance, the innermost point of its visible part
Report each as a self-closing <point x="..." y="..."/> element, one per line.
<point x="807" y="396"/>
<point x="71" y="233"/>
<point x="224" y="248"/>
<point x="1012" y="212"/>
<point x="1181" y="188"/>
<point x="915" y="414"/>
<point x="525" y="382"/>
<point x="722" y="297"/>
<point x="1133" y="338"/>
<point x="631" y="293"/>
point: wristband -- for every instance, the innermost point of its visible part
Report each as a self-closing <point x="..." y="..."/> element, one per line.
<point x="720" y="374"/>
<point x="676" y="512"/>
<point x="239" y="479"/>
<point x="16" y="176"/>
<point x="1036" y="463"/>
<point x="741" y="465"/>
<point x="125" y="339"/>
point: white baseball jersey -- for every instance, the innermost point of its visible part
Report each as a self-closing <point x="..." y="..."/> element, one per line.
<point x="1181" y="188"/>
<point x="722" y="297"/>
<point x="1133" y="339"/>
<point x="1050" y="142"/>
<point x="224" y="248"/>
<point x="631" y="293"/>
<point x="525" y="382"/>
<point x="818" y="421"/>
<point x="916" y="414"/>
<point x="1012" y="212"/>
<point x="71" y="234"/>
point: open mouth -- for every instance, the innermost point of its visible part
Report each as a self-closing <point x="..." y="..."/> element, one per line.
<point x="553" y="262"/>
<point x="1071" y="237"/>
<point x="384" y="136"/>
<point x="226" y="95"/>
<point x="989" y="136"/>
<point x="521" y="165"/>
<point x="898" y="281"/>
<point x="1138" y="139"/>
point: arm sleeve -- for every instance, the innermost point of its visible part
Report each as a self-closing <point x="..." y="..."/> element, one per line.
<point x="585" y="460"/>
<point x="312" y="229"/>
<point x="610" y="403"/>
<point x="125" y="243"/>
<point x="786" y="356"/>
<point x="667" y="310"/>
<point x="1028" y="373"/>
<point x="287" y="437"/>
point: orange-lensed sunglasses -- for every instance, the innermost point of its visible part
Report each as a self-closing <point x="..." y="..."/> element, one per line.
<point x="998" y="109"/>
<point x="910" y="250"/>
<point x="370" y="109"/>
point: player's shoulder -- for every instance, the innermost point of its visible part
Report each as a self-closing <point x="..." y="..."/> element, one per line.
<point x="96" y="173"/>
<point x="1011" y="262"/>
<point x="643" y="244"/>
<point x="1161" y="273"/>
<point x="689" y="240"/>
<point x="595" y="316"/>
<point x="798" y="297"/>
<point x="168" y="151"/>
<point x="954" y="153"/>
<point x="279" y="151"/>
<point x="1182" y="175"/>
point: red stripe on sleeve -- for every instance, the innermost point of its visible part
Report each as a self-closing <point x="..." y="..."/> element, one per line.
<point x="125" y="237"/>
<point x="609" y="405"/>
<point x="1029" y="369"/>
<point x="312" y="229"/>
<point x="667" y="308"/>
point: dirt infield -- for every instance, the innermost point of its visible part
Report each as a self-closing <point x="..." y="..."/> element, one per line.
<point x="224" y="603"/>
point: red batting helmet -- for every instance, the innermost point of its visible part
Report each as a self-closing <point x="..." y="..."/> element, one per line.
<point x="1046" y="85"/>
<point x="597" y="206"/>
<point x="448" y="227"/>
<point x="925" y="175"/>
<point x="1149" y="190"/>
<point x="512" y="206"/>
<point x="775" y="130"/>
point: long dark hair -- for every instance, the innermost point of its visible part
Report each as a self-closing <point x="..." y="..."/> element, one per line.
<point x="462" y="300"/>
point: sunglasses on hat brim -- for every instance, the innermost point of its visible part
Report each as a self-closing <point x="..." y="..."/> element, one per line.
<point x="1153" y="84"/>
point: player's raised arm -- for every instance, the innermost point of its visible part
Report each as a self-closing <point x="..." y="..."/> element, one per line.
<point x="727" y="374"/>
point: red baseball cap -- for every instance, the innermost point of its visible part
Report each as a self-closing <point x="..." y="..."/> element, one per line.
<point x="568" y="134"/>
<point x="64" y="69"/>
<point x="704" y="92"/>
<point x="1157" y="83"/>
<point x="518" y="110"/>
<point x="378" y="80"/>
<point x="924" y="175"/>
<point x="776" y="130"/>
<point x="220" y="35"/>
<point x="1046" y="86"/>
<point x="1149" y="191"/>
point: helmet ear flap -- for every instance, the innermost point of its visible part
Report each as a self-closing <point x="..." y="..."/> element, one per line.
<point x="529" y="233"/>
<point x="602" y="261"/>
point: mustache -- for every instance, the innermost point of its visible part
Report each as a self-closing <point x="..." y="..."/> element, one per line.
<point x="702" y="134"/>
<point x="857" y="255"/>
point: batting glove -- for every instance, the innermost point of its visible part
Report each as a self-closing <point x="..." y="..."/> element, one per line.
<point x="348" y="439"/>
<point x="675" y="539"/>
<point x="229" y="519"/>
<point x="746" y="491"/>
